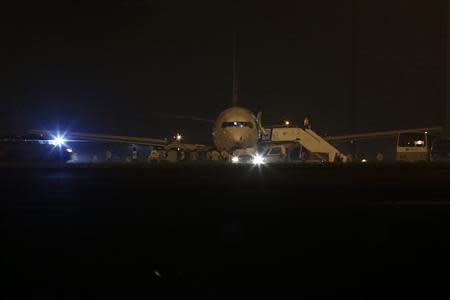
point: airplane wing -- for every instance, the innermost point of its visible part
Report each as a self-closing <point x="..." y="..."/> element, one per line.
<point x="80" y="136"/>
<point x="380" y="134"/>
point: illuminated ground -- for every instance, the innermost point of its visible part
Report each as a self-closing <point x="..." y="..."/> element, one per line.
<point x="362" y="231"/>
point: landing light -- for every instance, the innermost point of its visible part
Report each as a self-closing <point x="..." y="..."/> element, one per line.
<point x="258" y="159"/>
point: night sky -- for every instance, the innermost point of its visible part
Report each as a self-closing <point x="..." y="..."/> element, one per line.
<point x="115" y="66"/>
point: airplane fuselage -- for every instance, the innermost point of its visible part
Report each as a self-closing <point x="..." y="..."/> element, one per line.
<point x="235" y="127"/>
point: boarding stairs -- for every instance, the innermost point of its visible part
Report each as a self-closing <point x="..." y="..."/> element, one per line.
<point x="308" y="139"/>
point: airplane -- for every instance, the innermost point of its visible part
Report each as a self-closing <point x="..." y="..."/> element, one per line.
<point x="235" y="127"/>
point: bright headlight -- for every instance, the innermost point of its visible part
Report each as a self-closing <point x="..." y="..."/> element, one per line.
<point x="235" y="159"/>
<point x="58" y="141"/>
<point x="258" y="159"/>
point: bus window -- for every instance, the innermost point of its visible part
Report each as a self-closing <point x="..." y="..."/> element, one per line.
<point x="412" y="140"/>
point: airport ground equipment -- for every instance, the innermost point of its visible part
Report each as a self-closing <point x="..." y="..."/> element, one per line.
<point x="307" y="139"/>
<point x="413" y="145"/>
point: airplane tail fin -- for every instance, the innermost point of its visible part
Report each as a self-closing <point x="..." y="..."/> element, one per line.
<point x="234" y="100"/>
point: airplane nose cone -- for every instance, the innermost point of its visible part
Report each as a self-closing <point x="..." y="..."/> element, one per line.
<point x="237" y="137"/>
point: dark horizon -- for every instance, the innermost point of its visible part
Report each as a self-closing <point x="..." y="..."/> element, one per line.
<point x="111" y="67"/>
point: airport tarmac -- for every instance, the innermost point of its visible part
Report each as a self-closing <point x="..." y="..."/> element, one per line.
<point x="213" y="230"/>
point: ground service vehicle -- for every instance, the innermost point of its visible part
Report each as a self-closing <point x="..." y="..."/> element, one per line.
<point x="33" y="148"/>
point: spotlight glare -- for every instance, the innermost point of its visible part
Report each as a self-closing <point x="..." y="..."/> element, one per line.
<point x="258" y="159"/>
<point x="58" y="141"/>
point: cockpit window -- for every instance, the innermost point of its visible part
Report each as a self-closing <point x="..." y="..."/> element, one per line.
<point x="237" y="124"/>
